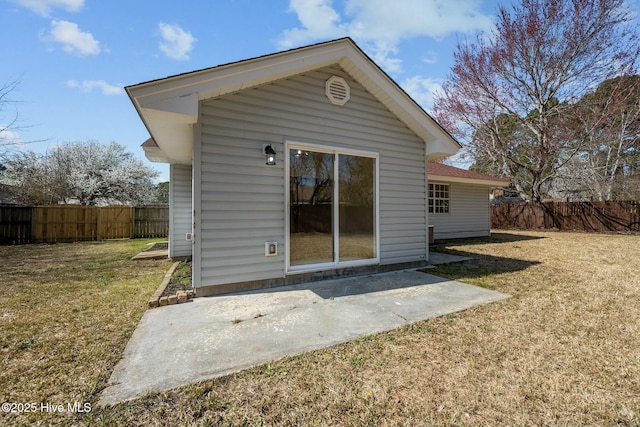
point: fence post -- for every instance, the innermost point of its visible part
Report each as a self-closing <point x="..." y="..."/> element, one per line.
<point x="33" y="225"/>
<point x="98" y="224"/>
<point x="132" y="214"/>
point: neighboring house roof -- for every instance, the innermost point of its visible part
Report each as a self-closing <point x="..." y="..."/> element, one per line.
<point x="438" y="171"/>
<point x="169" y="106"/>
<point x="149" y="143"/>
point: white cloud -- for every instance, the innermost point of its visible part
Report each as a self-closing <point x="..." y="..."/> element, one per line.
<point x="422" y="90"/>
<point x="10" y="139"/>
<point x="430" y="58"/>
<point x="409" y="18"/>
<point x="176" y="43"/>
<point x="44" y="7"/>
<point x="73" y="39"/>
<point x="318" y="19"/>
<point x="380" y="25"/>
<point x="89" y="85"/>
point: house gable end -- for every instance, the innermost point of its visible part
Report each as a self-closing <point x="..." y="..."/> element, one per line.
<point x="169" y="106"/>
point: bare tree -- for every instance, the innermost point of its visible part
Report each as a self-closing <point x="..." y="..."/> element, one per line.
<point x="510" y="91"/>
<point x="608" y="121"/>
<point x="8" y="121"/>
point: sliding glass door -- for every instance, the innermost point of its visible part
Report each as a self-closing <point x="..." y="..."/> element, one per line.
<point x="332" y="208"/>
<point x="356" y="196"/>
<point x="311" y="207"/>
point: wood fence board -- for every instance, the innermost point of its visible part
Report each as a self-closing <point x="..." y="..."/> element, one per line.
<point x="16" y="225"/>
<point x="151" y="221"/>
<point x="610" y="216"/>
<point x="70" y="223"/>
<point x="115" y="222"/>
<point x="65" y="223"/>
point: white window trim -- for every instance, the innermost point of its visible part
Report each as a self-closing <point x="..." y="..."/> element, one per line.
<point x="336" y="151"/>
<point x="434" y="198"/>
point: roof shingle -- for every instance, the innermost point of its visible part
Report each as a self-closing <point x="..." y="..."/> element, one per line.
<point x="149" y="143"/>
<point x="434" y="168"/>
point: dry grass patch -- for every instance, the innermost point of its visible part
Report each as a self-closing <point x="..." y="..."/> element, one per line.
<point x="564" y="350"/>
<point x="66" y="313"/>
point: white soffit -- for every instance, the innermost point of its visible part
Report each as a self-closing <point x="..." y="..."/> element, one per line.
<point x="175" y="132"/>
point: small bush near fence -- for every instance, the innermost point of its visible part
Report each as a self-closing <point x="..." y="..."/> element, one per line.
<point x="71" y="223"/>
<point x="568" y="216"/>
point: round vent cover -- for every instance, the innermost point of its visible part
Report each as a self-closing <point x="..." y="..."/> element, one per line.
<point x="337" y="90"/>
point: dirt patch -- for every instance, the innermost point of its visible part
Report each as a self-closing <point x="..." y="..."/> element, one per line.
<point x="157" y="246"/>
<point x="180" y="280"/>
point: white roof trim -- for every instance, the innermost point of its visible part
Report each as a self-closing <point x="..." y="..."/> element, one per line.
<point x="169" y="107"/>
<point x="155" y="154"/>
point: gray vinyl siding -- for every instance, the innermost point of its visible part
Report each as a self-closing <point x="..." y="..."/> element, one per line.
<point x="468" y="212"/>
<point x="180" y="210"/>
<point x="243" y="200"/>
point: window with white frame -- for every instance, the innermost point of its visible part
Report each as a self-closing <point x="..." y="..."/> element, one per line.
<point x="439" y="198"/>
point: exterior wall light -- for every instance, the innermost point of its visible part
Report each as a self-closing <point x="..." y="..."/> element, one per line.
<point x="270" y="154"/>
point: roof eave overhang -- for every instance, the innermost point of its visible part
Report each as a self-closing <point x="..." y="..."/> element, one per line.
<point x="155" y="154"/>
<point x="169" y="107"/>
<point x="472" y="181"/>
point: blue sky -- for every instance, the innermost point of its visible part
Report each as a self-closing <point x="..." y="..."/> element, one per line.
<point x="72" y="58"/>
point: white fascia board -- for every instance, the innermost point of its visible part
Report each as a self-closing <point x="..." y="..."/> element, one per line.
<point x="471" y="181"/>
<point x="155" y="154"/>
<point x="229" y="78"/>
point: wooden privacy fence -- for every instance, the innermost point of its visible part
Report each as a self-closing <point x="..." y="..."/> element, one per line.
<point x="150" y="222"/>
<point x="16" y="225"/>
<point x="71" y="223"/>
<point x="568" y="216"/>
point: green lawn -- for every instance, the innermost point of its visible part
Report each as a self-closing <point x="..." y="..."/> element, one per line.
<point x="67" y="311"/>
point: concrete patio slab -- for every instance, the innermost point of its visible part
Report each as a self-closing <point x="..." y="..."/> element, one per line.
<point x="216" y="336"/>
<point x="151" y="255"/>
<point x="153" y="251"/>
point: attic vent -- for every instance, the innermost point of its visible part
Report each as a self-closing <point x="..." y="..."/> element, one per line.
<point x="337" y="90"/>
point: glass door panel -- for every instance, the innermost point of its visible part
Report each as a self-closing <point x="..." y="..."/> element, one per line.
<point x="356" y="198"/>
<point x="310" y="207"/>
